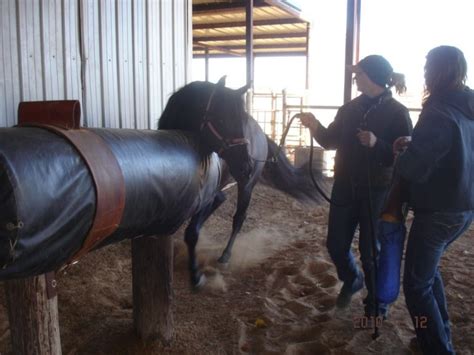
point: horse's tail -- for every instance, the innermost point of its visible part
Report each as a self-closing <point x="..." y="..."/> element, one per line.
<point x="296" y="182"/>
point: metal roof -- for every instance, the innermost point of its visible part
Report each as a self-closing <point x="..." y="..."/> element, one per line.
<point x="219" y="28"/>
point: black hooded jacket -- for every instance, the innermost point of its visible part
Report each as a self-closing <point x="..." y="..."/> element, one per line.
<point x="386" y="118"/>
<point x="439" y="162"/>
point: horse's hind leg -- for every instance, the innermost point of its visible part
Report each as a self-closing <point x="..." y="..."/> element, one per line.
<point x="243" y="201"/>
<point x="191" y="237"/>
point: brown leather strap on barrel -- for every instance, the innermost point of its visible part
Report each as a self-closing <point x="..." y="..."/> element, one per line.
<point x="108" y="181"/>
<point x="106" y="173"/>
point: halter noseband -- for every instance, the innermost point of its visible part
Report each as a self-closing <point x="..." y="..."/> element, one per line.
<point x="225" y="143"/>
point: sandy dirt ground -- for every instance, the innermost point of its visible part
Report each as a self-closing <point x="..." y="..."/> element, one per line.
<point x="276" y="297"/>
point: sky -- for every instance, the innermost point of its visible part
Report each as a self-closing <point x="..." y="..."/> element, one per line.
<point x="403" y="31"/>
<point x="411" y="28"/>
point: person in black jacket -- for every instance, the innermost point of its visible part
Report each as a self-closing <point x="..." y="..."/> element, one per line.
<point x="362" y="133"/>
<point x="439" y="167"/>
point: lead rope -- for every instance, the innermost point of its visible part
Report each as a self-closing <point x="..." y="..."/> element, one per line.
<point x="273" y="159"/>
<point x="316" y="185"/>
<point x="374" y="275"/>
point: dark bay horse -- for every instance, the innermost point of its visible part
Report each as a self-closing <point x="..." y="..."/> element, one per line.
<point x="217" y="115"/>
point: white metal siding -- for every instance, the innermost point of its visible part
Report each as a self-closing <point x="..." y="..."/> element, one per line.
<point x="72" y="54"/>
<point x="140" y="63"/>
<point x="121" y="59"/>
<point x="53" y="52"/>
<point x="154" y="62"/>
<point x="125" y="64"/>
<point x="30" y="50"/>
<point x="167" y="77"/>
<point x="9" y="64"/>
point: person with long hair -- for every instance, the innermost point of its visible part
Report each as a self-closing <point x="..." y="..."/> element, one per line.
<point x="362" y="133"/>
<point x="438" y="164"/>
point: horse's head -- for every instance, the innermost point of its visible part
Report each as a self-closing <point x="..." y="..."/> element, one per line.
<point x="218" y="115"/>
<point x="223" y="127"/>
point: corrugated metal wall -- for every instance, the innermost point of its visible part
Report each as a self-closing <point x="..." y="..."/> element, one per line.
<point x="121" y="58"/>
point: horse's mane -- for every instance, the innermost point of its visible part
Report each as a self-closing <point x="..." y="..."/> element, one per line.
<point x="186" y="106"/>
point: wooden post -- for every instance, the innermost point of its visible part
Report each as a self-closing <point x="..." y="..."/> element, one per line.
<point x="273" y="118"/>
<point x="33" y="313"/>
<point x="152" y="272"/>
<point x="284" y="111"/>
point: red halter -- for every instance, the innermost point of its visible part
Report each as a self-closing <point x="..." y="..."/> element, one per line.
<point x="225" y="143"/>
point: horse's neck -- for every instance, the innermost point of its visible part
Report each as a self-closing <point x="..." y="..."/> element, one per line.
<point x="204" y="149"/>
<point x="253" y="132"/>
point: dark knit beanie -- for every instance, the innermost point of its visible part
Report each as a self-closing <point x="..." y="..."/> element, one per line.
<point x="377" y="68"/>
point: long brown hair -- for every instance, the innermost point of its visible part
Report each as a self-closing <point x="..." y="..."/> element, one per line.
<point x="445" y="70"/>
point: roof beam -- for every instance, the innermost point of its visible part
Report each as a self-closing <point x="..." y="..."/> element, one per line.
<point x="256" y="46"/>
<point x="221" y="49"/>
<point x="256" y="54"/>
<point x="283" y="21"/>
<point x="213" y="8"/>
<point x="255" y="36"/>
<point x="285" y="7"/>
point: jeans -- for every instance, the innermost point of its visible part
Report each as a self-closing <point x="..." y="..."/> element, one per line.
<point x="430" y="235"/>
<point x="351" y="208"/>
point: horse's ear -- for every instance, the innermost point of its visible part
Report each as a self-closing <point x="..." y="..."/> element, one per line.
<point x="221" y="81"/>
<point x="243" y="89"/>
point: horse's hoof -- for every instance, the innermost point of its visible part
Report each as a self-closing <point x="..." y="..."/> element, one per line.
<point x="199" y="284"/>
<point x="224" y="259"/>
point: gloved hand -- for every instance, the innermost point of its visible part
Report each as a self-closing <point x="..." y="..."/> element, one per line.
<point x="308" y="120"/>
<point x="366" y="138"/>
<point x="400" y="144"/>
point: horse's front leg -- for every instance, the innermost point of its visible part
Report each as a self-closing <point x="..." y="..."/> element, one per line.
<point x="243" y="201"/>
<point x="191" y="237"/>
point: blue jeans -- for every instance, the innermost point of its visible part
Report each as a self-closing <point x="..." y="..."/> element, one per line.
<point x="430" y="235"/>
<point x="351" y="208"/>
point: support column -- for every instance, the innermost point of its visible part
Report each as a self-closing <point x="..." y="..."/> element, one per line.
<point x="152" y="272"/>
<point x="249" y="40"/>
<point x="33" y="313"/>
<point x="206" y="64"/>
<point x="352" y="44"/>
<point x="249" y="51"/>
<point x="306" y="82"/>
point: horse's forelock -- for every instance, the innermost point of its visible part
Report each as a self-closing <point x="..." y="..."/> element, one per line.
<point x="185" y="107"/>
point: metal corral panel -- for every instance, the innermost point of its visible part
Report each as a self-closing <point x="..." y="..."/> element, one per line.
<point x="121" y="59"/>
